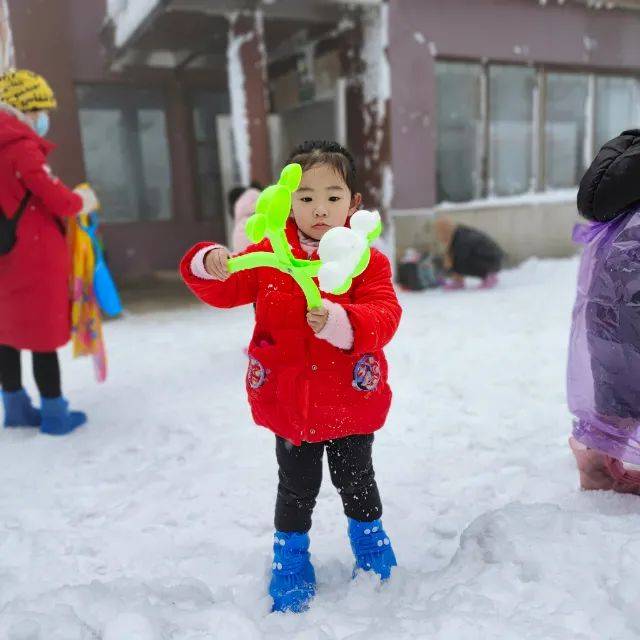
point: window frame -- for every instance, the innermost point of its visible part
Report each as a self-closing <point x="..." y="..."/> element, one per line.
<point x="135" y="149"/>
<point x="539" y="118"/>
<point x="191" y="101"/>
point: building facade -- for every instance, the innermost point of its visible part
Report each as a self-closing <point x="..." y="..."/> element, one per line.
<point x="514" y="99"/>
<point x="484" y="110"/>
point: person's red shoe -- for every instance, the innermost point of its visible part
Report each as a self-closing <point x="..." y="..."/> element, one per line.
<point x="599" y="471"/>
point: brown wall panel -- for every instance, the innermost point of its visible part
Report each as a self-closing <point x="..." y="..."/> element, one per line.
<point x="41" y="37"/>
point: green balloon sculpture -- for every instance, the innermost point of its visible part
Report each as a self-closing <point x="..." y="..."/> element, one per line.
<point x="349" y="252"/>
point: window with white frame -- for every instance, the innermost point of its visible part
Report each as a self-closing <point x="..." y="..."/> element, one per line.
<point x="617" y="107"/>
<point x="207" y="105"/>
<point x="126" y="150"/>
<point x="566" y="140"/>
<point x="506" y="130"/>
<point x="459" y="94"/>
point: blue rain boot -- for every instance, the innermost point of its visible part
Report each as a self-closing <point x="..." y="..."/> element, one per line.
<point x="57" y="419"/>
<point x="18" y="410"/>
<point x="371" y="547"/>
<point x="293" y="580"/>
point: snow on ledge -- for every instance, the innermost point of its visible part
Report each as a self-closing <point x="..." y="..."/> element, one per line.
<point x="546" y="197"/>
<point x="127" y="16"/>
<point x="559" y="196"/>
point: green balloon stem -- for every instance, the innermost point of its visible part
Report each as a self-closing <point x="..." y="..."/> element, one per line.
<point x="253" y="260"/>
<point x="310" y="290"/>
<point x="302" y="275"/>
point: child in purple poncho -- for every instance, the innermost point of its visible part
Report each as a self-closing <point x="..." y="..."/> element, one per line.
<point x="604" y="352"/>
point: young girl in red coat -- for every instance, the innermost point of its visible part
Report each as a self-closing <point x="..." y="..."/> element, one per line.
<point x="34" y="258"/>
<point x="317" y="379"/>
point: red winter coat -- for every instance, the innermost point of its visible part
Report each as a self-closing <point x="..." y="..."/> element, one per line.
<point x="299" y="386"/>
<point x="34" y="275"/>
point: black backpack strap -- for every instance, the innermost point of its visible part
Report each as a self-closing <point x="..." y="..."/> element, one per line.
<point x="22" y="206"/>
<point x="21" y="209"/>
<point x="61" y="226"/>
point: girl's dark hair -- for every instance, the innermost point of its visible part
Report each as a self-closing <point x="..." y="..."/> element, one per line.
<point x="233" y="196"/>
<point x="315" y="152"/>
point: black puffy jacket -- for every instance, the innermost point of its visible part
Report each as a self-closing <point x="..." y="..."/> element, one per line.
<point x="474" y="253"/>
<point x="612" y="183"/>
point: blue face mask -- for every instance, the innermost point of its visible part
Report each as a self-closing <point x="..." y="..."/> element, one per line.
<point x="42" y="124"/>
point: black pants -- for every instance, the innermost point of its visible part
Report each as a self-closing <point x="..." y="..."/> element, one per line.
<point x="300" y="473"/>
<point x="46" y="371"/>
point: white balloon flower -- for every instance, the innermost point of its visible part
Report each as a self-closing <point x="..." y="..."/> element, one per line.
<point x="341" y="250"/>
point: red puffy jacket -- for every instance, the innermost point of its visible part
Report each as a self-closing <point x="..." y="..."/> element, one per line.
<point x="299" y="386"/>
<point x="34" y="275"/>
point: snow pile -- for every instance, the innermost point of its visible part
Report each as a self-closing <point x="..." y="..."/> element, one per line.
<point x="539" y="571"/>
<point x="155" y="521"/>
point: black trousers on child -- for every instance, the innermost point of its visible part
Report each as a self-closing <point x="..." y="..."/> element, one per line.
<point x="46" y="371"/>
<point x="300" y="474"/>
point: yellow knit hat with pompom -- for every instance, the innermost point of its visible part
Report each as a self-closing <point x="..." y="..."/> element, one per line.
<point x="26" y="91"/>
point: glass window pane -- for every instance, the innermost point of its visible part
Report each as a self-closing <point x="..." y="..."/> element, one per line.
<point x="565" y="129"/>
<point x="459" y="131"/>
<point x="126" y="151"/>
<point x="107" y="162"/>
<point x="207" y="105"/>
<point x="617" y="107"/>
<point x="511" y="91"/>
<point x="155" y="163"/>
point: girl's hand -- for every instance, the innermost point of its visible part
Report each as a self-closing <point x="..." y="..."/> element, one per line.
<point x="317" y="318"/>
<point x="215" y="263"/>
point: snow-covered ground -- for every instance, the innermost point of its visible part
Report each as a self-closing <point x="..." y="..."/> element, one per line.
<point x="155" y="521"/>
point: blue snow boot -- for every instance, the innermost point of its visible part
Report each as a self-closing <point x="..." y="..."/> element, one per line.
<point x="293" y="580"/>
<point x="57" y="419"/>
<point x="371" y="547"/>
<point x="18" y="410"/>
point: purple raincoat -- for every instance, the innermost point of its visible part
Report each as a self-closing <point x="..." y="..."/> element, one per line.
<point x="603" y="378"/>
